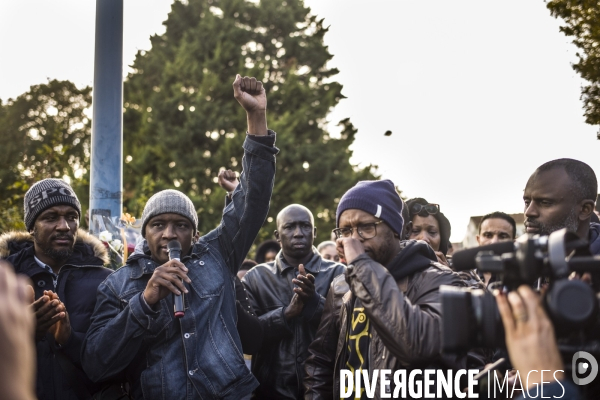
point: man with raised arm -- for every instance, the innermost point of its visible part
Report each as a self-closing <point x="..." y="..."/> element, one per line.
<point x="133" y="327"/>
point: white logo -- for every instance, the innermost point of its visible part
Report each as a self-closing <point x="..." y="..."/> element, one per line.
<point x="581" y="368"/>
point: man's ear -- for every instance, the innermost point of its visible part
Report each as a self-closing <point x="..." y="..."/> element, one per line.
<point x="315" y="233"/>
<point x="276" y="234"/>
<point x="477" y="237"/>
<point x="586" y="210"/>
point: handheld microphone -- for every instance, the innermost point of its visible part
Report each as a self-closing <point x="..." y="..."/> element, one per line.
<point x="174" y="249"/>
<point x="464" y="260"/>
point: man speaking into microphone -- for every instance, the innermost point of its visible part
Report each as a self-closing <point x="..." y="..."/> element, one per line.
<point x="135" y="329"/>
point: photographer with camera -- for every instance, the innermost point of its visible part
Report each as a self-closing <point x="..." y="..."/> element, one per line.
<point x="532" y="346"/>
<point x="471" y="318"/>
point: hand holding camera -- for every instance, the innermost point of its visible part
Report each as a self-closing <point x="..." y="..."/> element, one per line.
<point x="529" y="334"/>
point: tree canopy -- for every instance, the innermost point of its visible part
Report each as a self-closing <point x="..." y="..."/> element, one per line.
<point x="582" y="23"/>
<point x="182" y="124"/>
<point x="45" y="133"/>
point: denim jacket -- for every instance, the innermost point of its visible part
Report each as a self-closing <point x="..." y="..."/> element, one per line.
<point x="199" y="355"/>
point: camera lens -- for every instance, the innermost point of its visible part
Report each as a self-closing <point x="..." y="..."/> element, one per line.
<point x="487" y="317"/>
<point x="571" y="305"/>
<point x="470" y="318"/>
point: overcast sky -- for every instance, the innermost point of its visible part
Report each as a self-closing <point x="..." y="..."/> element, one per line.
<point x="477" y="94"/>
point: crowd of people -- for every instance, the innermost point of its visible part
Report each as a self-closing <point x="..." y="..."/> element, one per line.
<point x="367" y="300"/>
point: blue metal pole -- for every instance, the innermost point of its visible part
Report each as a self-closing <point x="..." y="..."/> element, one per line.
<point x="106" y="173"/>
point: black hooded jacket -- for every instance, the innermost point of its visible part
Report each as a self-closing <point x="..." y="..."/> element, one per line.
<point x="402" y="303"/>
<point x="76" y="287"/>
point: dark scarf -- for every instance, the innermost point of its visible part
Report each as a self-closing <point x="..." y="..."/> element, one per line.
<point x="414" y="257"/>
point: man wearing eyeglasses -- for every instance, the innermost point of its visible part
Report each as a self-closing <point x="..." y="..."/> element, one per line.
<point x="391" y="318"/>
<point x="288" y="295"/>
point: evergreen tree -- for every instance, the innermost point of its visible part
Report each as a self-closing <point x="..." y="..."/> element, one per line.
<point x="45" y="133"/>
<point x="582" y="22"/>
<point x="182" y="124"/>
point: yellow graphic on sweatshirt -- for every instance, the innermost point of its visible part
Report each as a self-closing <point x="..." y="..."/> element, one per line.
<point x="358" y="345"/>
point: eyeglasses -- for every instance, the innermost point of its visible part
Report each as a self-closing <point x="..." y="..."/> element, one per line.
<point x="429" y="208"/>
<point x="365" y="231"/>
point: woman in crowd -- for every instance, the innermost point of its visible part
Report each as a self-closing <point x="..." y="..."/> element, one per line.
<point x="428" y="223"/>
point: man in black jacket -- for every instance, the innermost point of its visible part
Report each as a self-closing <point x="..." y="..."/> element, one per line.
<point x="66" y="267"/>
<point x="288" y="295"/>
<point x="391" y="318"/>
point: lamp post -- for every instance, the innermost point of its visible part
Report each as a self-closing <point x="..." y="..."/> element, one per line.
<point x="106" y="172"/>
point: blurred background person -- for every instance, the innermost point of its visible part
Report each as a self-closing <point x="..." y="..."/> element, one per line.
<point x="328" y="251"/>
<point x="247" y="265"/>
<point x="267" y="251"/>
<point x="495" y="227"/>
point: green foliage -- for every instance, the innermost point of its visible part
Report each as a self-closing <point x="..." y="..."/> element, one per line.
<point x="582" y="22"/>
<point x="182" y="124"/>
<point x="11" y="217"/>
<point x="45" y="133"/>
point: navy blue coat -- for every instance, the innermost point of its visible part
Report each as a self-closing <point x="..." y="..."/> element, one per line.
<point x="76" y="287"/>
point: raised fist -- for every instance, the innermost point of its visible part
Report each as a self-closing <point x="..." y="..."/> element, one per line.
<point x="228" y="180"/>
<point x="250" y="93"/>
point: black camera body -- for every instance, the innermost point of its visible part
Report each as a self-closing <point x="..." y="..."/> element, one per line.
<point x="470" y="316"/>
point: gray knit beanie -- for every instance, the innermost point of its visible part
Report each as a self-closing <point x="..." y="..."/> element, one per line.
<point x="169" y="201"/>
<point x="45" y="194"/>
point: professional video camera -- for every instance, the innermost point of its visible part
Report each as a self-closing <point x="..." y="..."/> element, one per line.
<point x="470" y="316"/>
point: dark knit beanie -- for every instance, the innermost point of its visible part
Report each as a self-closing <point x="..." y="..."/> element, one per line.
<point x="169" y="201"/>
<point x="45" y="194"/>
<point x="378" y="198"/>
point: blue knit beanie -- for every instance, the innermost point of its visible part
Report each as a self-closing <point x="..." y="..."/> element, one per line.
<point x="378" y="198"/>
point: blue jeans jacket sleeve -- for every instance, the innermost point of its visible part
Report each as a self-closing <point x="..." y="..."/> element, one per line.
<point x="110" y="344"/>
<point x="244" y="215"/>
